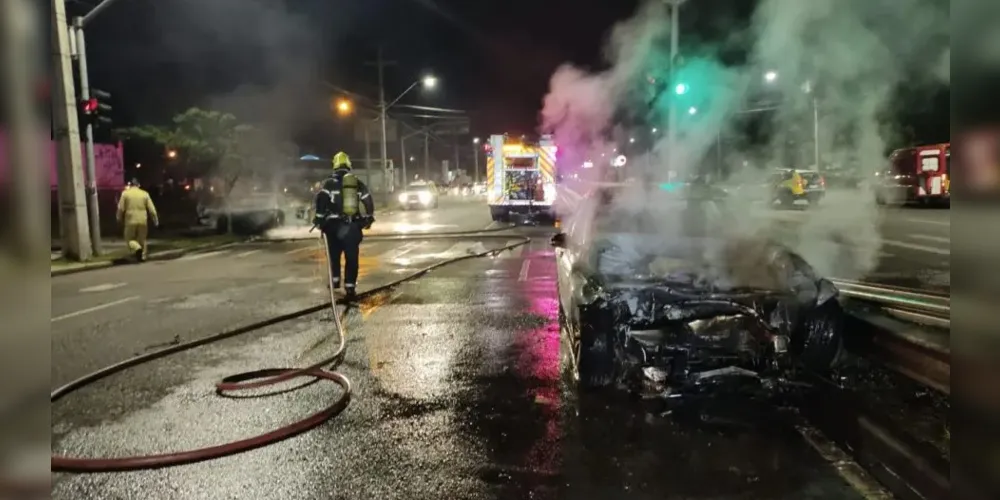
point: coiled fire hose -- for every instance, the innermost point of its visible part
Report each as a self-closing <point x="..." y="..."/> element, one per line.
<point x="322" y="370"/>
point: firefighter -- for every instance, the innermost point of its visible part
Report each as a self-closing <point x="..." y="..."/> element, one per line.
<point x="343" y="208"/>
<point x="135" y="209"/>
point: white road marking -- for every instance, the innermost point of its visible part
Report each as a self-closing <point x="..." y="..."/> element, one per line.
<point x="102" y="288"/>
<point x="300" y="250"/>
<point x="514" y="253"/>
<point x="458" y="249"/>
<point x="247" y="253"/>
<point x="400" y="251"/>
<point x="295" y="280"/>
<point x="922" y="248"/>
<point x="198" y="256"/>
<point x="523" y="276"/>
<point x="946" y="222"/>
<point x="927" y="237"/>
<point x="95" y="308"/>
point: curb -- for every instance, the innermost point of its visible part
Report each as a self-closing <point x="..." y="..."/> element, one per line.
<point x="158" y="256"/>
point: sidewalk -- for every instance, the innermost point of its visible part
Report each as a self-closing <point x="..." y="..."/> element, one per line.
<point x="116" y="252"/>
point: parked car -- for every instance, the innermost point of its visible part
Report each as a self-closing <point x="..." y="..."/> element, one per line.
<point x="251" y="214"/>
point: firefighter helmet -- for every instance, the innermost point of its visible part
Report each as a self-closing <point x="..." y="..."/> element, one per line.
<point x="341" y="160"/>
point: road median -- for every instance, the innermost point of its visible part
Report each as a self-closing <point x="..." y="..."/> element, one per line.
<point x="161" y="250"/>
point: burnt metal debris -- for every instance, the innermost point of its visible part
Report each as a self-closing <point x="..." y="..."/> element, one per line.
<point x="681" y="336"/>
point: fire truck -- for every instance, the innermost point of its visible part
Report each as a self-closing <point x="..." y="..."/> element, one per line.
<point x="520" y="176"/>
<point x="916" y="175"/>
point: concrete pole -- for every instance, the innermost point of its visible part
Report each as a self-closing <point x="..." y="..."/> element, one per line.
<point x="675" y="8"/>
<point x="72" y="208"/>
<point x="382" y="118"/>
<point x="815" y="106"/>
<point x="402" y="160"/>
<point x="20" y="42"/>
<point x="457" y="149"/>
<point x="368" y="156"/>
<point x="427" y="155"/>
<point x="93" y="208"/>
<point x="475" y="160"/>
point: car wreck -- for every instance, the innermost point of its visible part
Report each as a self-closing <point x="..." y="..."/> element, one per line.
<point x="664" y="300"/>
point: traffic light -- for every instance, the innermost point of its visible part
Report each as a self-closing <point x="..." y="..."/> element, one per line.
<point x="681" y="88"/>
<point x="96" y="109"/>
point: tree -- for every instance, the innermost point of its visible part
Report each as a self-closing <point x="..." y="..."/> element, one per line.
<point x="211" y="142"/>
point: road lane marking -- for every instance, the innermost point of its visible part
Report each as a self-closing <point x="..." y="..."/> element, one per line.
<point x="102" y="287"/>
<point x="94" y="309"/>
<point x="513" y="253"/>
<point x="247" y="253"/>
<point x="400" y="251"/>
<point x="523" y="276"/>
<point x="946" y="222"/>
<point x="927" y="237"/>
<point x="913" y="246"/>
<point x="197" y="256"/>
<point x="295" y="280"/>
<point x="300" y="250"/>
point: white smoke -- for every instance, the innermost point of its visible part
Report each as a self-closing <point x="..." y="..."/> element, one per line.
<point x="846" y="57"/>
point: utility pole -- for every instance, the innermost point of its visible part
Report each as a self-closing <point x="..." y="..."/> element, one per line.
<point x="456" y="156"/>
<point x="20" y="41"/>
<point x="427" y="155"/>
<point x="675" y="9"/>
<point x="402" y="159"/>
<point x="74" y="230"/>
<point x="368" y="156"/>
<point x="93" y="208"/>
<point x="382" y="109"/>
<point x="475" y="159"/>
<point x="815" y="132"/>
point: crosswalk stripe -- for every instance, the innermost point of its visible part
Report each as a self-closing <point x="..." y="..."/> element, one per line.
<point x="927" y="237"/>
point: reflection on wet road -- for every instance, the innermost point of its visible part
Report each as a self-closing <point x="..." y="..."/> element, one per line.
<point x="459" y="394"/>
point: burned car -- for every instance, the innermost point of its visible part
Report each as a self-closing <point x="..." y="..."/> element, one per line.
<point x="656" y="291"/>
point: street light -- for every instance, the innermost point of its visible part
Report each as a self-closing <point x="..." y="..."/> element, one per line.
<point x="692" y="110"/>
<point x="770" y="76"/>
<point x="171" y="154"/>
<point x="655" y="130"/>
<point x="344" y="107"/>
<point x="430" y="81"/>
<point x="631" y="140"/>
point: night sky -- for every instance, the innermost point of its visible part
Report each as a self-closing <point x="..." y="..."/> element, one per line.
<point x="265" y="59"/>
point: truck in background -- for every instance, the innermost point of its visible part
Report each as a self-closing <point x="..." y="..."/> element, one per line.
<point x="520" y="177"/>
<point x="916" y="175"/>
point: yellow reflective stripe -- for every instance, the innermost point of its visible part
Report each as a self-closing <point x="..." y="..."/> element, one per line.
<point x="547" y="164"/>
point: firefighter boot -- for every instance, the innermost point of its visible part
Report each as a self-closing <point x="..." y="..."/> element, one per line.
<point x="351" y="293"/>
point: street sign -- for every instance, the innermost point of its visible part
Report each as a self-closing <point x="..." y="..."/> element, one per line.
<point x="375" y="130"/>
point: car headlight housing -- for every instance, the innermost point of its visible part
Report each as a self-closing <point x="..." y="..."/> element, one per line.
<point x="425" y="198"/>
<point x="586" y="291"/>
<point x="402" y="198"/>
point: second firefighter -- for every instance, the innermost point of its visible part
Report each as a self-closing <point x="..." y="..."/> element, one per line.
<point x="344" y="207"/>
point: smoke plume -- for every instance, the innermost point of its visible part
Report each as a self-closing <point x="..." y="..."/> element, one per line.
<point x="839" y="61"/>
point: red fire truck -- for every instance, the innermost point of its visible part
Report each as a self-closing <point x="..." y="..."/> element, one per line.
<point x="916" y="175"/>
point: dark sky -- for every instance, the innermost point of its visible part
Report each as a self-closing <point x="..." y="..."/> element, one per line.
<point x="264" y="58"/>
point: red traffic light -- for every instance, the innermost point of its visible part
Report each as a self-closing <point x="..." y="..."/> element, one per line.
<point x="90" y="105"/>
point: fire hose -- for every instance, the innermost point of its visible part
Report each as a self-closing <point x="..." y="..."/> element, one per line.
<point x="322" y="370"/>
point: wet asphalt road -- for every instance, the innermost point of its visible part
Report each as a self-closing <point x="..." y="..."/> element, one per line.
<point x="459" y="393"/>
<point x="459" y="388"/>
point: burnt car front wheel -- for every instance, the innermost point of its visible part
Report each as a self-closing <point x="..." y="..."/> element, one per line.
<point x="818" y="341"/>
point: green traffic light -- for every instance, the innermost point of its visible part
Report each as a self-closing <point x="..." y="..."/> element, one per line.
<point x="681" y="89"/>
